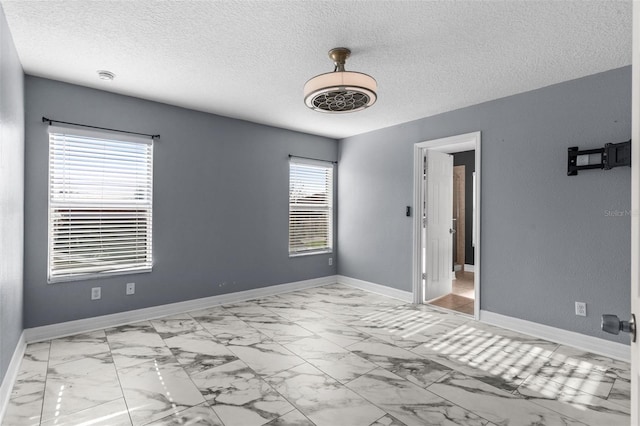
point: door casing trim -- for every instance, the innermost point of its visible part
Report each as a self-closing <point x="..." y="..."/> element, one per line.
<point x="458" y="143"/>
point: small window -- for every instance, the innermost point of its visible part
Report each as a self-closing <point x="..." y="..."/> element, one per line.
<point x="100" y="204"/>
<point x="310" y="207"/>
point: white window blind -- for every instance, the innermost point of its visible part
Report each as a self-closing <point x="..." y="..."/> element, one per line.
<point x="310" y="207"/>
<point x="100" y="204"/>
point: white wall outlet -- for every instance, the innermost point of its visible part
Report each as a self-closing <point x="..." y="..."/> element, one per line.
<point x="330" y="261"/>
<point x="131" y="288"/>
<point x="581" y="309"/>
<point x="96" y="293"/>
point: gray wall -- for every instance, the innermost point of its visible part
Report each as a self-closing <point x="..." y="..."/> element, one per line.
<point x="548" y="240"/>
<point x="467" y="159"/>
<point x="11" y="195"/>
<point x="220" y="218"/>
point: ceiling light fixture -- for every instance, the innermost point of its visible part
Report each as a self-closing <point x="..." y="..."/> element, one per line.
<point x="340" y="91"/>
<point x="106" y="75"/>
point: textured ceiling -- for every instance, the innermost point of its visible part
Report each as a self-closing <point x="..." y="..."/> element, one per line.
<point x="250" y="59"/>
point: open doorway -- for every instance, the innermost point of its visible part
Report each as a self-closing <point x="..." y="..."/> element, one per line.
<point x="461" y="297"/>
<point x="446" y="223"/>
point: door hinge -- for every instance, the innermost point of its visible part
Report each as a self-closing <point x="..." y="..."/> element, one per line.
<point x="424" y="275"/>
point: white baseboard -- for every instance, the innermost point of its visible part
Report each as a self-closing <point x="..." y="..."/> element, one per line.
<point x="405" y="296"/>
<point x="11" y="375"/>
<point x="469" y="268"/>
<point x="54" y="331"/>
<point x="581" y="341"/>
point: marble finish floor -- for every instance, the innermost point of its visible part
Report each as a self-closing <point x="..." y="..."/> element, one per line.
<point x="326" y="356"/>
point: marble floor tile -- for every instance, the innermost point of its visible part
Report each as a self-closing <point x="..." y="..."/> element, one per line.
<point x="175" y="324"/>
<point x="508" y="340"/>
<point x="334" y="331"/>
<point x="212" y="314"/>
<point x="239" y="396"/>
<point x="24" y="410"/>
<point x="499" y="369"/>
<point x="497" y="405"/>
<point x="573" y="356"/>
<point x="586" y="380"/>
<point x="266" y="358"/>
<point x="198" y="351"/>
<point x="323" y="400"/>
<point x="34" y="363"/>
<point x="295" y="314"/>
<point x="32" y="374"/>
<point x="349" y="315"/>
<point x="477" y="339"/>
<point x="248" y="310"/>
<point x="37" y="346"/>
<point x="27" y="396"/>
<point x="571" y="403"/>
<point x="26" y="400"/>
<point x="200" y="415"/>
<point x="281" y="331"/>
<point x="330" y="358"/>
<point x="388" y="420"/>
<point x="419" y="325"/>
<point x="292" y="418"/>
<point x="113" y="413"/>
<point x="135" y="344"/>
<point x="621" y="393"/>
<point x="77" y="347"/>
<point x="228" y="329"/>
<point x="154" y="390"/>
<point x="418" y="370"/>
<point x="33" y="385"/>
<point x="412" y="405"/>
<point x="78" y="385"/>
<point x="276" y="301"/>
<point x="439" y="316"/>
<point x="395" y="335"/>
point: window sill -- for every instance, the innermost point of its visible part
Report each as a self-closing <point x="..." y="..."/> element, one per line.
<point x="96" y="276"/>
<point x="310" y="253"/>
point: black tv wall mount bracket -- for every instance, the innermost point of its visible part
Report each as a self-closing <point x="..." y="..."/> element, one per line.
<point x="612" y="155"/>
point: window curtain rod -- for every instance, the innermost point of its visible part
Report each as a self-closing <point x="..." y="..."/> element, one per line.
<point x="50" y="121"/>
<point x="314" y="159"/>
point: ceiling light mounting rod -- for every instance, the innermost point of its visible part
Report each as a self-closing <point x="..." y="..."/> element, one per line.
<point x="339" y="56"/>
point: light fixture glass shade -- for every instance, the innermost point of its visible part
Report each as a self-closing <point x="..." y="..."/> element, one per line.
<point x="340" y="92"/>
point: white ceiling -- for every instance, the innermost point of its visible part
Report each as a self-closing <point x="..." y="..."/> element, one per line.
<point x="250" y="59"/>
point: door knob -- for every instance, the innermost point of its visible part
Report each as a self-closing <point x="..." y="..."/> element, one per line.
<point x="452" y="231"/>
<point x="612" y="324"/>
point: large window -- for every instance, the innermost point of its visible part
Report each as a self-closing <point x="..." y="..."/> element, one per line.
<point x="100" y="200"/>
<point x="310" y="207"/>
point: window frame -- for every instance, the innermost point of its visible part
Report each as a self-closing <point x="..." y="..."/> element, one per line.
<point x="329" y="247"/>
<point x="145" y="266"/>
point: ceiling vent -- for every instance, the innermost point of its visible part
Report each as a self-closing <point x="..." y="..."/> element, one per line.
<point x="106" y="75"/>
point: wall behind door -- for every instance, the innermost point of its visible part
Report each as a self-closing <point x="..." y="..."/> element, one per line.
<point x="548" y="240"/>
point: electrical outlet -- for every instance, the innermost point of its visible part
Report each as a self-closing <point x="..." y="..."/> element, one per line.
<point x="330" y="261"/>
<point x="96" y="293"/>
<point x="131" y="289"/>
<point x="581" y="309"/>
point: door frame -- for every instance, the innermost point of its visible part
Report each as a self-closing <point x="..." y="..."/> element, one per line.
<point x="452" y="144"/>
<point x="635" y="210"/>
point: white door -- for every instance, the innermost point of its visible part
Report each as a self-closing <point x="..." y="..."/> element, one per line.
<point x="635" y="209"/>
<point x="439" y="212"/>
